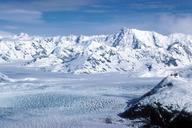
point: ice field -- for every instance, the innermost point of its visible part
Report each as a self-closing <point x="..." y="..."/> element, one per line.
<point x="39" y="99"/>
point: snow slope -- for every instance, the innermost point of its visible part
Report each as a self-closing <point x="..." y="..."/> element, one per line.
<point x="168" y="104"/>
<point x="129" y="50"/>
<point x="174" y="93"/>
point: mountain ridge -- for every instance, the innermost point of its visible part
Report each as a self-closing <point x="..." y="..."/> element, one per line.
<point x="129" y="50"/>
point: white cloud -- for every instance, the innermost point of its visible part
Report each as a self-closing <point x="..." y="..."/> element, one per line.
<point x="176" y="23"/>
<point x="19" y="15"/>
<point x="10" y="27"/>
<point x="164" y="23"/>
<point x="46" y="5"/>
<point x="5" y="34"/>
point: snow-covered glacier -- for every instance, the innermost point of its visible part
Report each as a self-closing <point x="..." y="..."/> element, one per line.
<point x="36" y="99"/>
<point x="129" y="50"/>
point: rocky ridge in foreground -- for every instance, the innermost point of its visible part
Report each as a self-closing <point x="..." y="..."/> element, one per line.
<point x="168" y="105"/>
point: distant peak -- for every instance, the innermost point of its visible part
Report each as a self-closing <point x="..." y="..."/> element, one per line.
<point x="23" y="35"/>
<point x="134" y="31"/>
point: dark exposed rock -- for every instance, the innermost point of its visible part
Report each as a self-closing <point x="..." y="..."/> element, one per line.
<point x="161" y="112"/>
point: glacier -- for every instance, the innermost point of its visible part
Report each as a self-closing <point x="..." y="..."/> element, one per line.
<point x="35" y="98"/>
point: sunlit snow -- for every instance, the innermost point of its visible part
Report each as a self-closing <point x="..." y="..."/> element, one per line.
<point x="40" y="99"/>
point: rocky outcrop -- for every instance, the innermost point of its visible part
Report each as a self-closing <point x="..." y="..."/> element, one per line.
<point x="167" y="105"/>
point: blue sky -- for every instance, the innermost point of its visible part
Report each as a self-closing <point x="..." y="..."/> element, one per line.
<point x="64" y="17"/>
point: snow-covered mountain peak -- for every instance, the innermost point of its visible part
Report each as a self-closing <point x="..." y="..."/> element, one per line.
<point x="129" y="50"/>
<point x="22" y="36"/>
<point x="138" y="39"/>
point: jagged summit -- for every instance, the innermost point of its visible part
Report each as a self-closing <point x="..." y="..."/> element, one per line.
<point x="129" y="50"/>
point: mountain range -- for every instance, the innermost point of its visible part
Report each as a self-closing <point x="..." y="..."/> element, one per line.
<point x="129" y="50"/>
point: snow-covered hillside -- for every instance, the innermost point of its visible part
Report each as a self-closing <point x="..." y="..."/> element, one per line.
<point x="169" y="104"/>
<point x="129" y="50"/>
